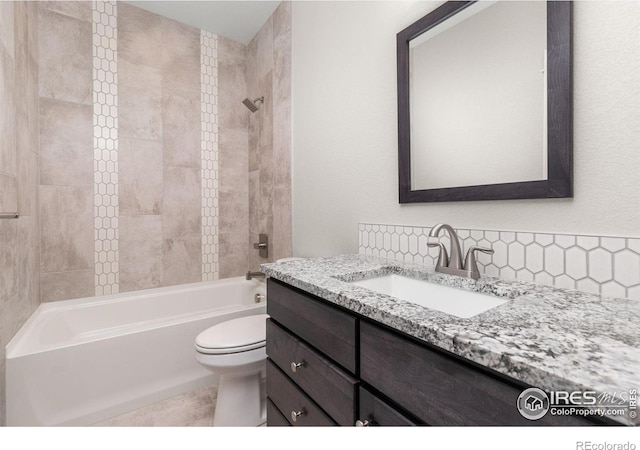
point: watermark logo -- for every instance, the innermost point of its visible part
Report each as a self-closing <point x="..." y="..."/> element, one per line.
<point x="533" y="403"/>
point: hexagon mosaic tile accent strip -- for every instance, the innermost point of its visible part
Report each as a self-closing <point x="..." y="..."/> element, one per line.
<point x="209" y="148"/>
<point x="105" y="145"/>
<point x="609" y="266"/>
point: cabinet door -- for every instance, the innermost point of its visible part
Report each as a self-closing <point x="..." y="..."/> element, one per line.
<point x="325" y="327"/>
<point x="439" y="389"/>
<point x="376" y="412"/>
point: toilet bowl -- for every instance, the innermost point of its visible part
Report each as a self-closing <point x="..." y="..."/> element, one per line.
<point x="236" y="351"/>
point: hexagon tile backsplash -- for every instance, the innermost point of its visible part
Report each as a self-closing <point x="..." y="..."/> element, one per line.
<point x="609" y="266"/>
<point x="105" y="146"/>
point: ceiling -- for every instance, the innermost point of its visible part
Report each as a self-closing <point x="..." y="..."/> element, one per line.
<point x="237" y="20"/>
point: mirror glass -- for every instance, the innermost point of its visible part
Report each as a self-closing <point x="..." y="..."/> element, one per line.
<point x="478" y="97"/>
<point x="484" y="102"/>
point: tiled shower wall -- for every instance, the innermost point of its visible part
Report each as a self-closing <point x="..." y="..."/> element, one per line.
<point x="603" y="265"/>
<point x="255" y="148"/>
<point x="19" y="160"/>
<point x="269" y="75"/>
<point x="66" y="149"/>
<point x="145" y="163"/>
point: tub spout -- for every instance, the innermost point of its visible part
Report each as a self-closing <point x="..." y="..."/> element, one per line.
<point x="251" y="275"/>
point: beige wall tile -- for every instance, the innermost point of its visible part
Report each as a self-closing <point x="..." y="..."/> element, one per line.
<point x="21" y="55"/>
<point x="32" y="26"/>
<point x="265" y="113"/>
<point x="139" y="36"/>
<point x="33" y="106"/>
<point x="182" y="260"/>
<point x="8" y="193"/>
<point x="231" y="52"/>
<point x="265" y="203"/>
<point x="180" y="138"/>
<point x="56" y="286"/>
<point x="282" y="19"/>
<point x="181" y="214"/>
<point x="233" y="89"/>
<point x="77" y="9"/>
<point x="7" y="113"/>
<point x="140" y="110"/>
<point x="29" y="260"/>
<point x="66" y="143"/>
<point x="7" y="26"/>
<point x="65" y="63"/>
<point x="8" y="260"/>
<point x="234" y="209"/>
<point x="282" y="243"/>
<point x="233" y="264"/>
<point x="254" y="202"/>
<point x="252" y="67"/>
<point x="233" y="164"/>
<point x="264" y="49"/>
<point x="282" y="146"/>
<point x="282" y="68"/>
<point x="140" y="177"/>
<point x="180" y="59"/>
<point x="254" y="138"/>
<point x="27" y="92"/>
<point x="140" y="252"/>
<point x="67" y="228"/>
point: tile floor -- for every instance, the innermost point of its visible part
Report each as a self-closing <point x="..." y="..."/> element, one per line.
<point x="191" y="409"/>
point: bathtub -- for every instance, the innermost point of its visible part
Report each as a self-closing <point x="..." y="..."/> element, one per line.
<point x="78" y="362"/>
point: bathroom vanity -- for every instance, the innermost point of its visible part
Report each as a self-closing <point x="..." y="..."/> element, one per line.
<point x="341" y="354"/>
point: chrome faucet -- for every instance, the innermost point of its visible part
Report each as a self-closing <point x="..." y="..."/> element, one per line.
<point x="453" y="265"/>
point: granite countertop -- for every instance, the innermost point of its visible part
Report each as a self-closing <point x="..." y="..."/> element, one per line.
<point x="550" y="338"/>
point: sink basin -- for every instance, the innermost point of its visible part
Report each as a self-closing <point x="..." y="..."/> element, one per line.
<point x="454" y="301"/>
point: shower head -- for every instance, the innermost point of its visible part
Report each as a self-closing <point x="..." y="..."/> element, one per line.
<point x="253" y="105"/>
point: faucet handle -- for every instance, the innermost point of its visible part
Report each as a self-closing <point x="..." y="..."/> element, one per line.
<point x="470" y="262"/>
<point x="443" y="257"/>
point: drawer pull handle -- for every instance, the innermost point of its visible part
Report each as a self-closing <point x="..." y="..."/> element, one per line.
<point x="362" y="423"/>
<point x="296" y="414"/>
<point x="295" y="366"/>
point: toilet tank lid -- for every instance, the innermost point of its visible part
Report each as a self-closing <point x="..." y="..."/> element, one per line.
<point x="234" y="333"/>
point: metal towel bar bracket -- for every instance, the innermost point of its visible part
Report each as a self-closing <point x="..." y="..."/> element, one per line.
<point x="14" y="215"/>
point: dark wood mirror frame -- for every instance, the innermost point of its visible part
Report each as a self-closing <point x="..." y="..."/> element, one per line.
<point x="559" y="182"/>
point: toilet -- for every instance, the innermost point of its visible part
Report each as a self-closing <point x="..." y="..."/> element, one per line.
<point x="236" y="351"/>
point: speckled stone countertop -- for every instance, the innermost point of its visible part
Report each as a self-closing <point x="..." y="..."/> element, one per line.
<point x="550" y="338"/>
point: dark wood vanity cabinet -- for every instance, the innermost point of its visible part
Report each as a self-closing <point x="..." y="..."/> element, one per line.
<point x="328" y="366"/>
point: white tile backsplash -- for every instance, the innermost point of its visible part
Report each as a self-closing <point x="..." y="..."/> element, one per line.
<point x="608" y="266"/>
<point x="105" y="145"/>
<point x="209" y="152"/>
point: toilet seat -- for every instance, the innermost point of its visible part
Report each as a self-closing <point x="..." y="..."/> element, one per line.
<point x="233" y="336"/>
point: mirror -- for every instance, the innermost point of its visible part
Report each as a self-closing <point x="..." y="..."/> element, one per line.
<point x="484" y="102"/>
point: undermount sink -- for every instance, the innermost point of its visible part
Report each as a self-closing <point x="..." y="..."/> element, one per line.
<point x="450" y="300"/>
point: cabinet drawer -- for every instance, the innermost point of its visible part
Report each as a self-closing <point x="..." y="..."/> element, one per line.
<point x="378" y="413"/>
<point x="275" y="417"/>
<point x="326" y="328"/>
<point x="330" y="386"/>
<point x="289" y="399"/>
<point x="439" y="389"/>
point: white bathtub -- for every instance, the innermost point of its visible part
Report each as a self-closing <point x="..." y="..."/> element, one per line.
<point x="78" y="362"/>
